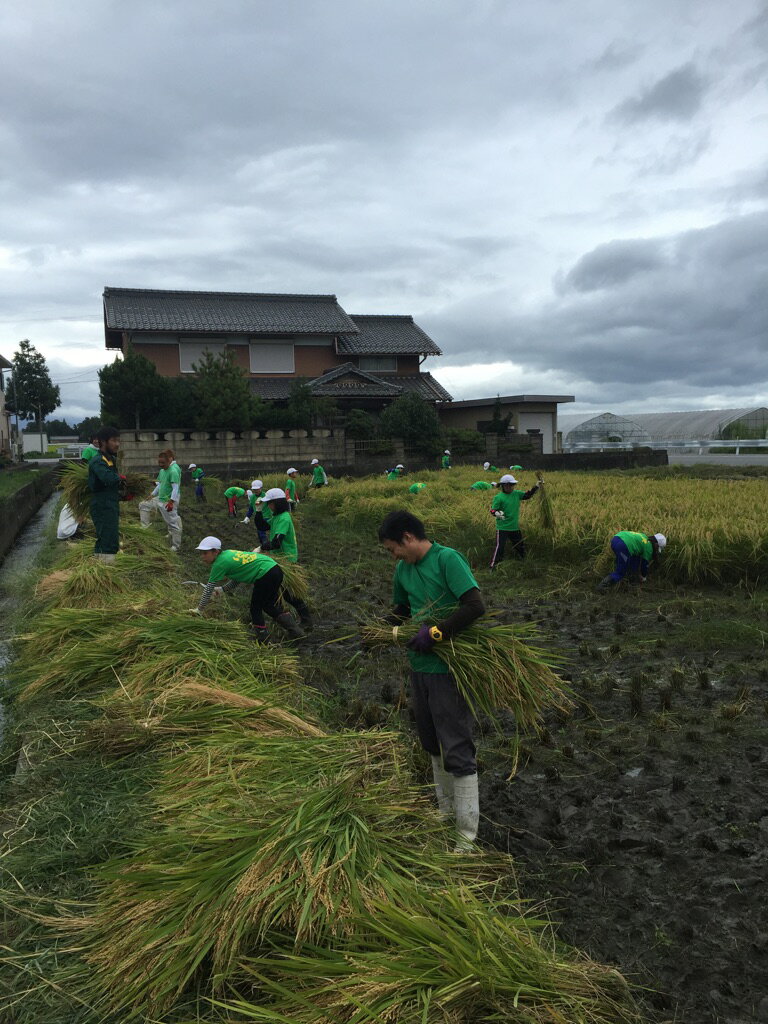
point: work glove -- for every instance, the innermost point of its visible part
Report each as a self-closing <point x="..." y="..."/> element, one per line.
<point x="194" y="611"/>
<point x="246" y="520"/>
<point x="425" y="639"/>
<point x="169" y="506"/>
<point x="249" y="492"/>
<point x="497" y="513"/>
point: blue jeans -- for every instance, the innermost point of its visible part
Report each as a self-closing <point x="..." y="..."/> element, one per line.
<point x="624" y="561"/>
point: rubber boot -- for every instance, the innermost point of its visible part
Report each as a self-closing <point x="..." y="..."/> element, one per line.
<point x="467" y="804"/>
<point x="259" y="633"/>
<point x="443" y="789"/>
<point x="305" y="616"/>
<point x="606" y="582"/>
<point x="290" y="625"/>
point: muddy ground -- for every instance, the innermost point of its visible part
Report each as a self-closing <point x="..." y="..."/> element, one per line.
<point x="641" y="818"/>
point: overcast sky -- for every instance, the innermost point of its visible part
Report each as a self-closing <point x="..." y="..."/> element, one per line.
<point x="569" y="198"/>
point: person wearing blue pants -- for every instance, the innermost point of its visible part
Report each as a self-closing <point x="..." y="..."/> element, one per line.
<point x="634" y="553"/>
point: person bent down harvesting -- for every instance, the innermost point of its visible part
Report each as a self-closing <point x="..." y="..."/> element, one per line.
<point x="434" y="586"/>
<point x="634" y="553"/>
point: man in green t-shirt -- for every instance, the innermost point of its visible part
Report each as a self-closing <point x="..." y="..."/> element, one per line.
<point x="505" y="508"/>
<point x="319" y="479"/>
<point x="261" y="571"/>
<point x="634" y="553"/>
<point x="165" y="498"/>
<point x="434" y="586"/>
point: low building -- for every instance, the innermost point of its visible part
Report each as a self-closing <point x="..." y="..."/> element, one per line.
<point x="525" y="414"/>
<point x="279" y="341"/>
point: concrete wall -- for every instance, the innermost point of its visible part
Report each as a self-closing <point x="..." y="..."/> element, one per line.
<point x="18" y="508"/>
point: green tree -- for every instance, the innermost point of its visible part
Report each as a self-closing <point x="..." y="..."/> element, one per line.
<point x="222" y="394"/>
<point x="130" y="390"/>
<point x="88" y="427"/>
<point x="56" y="428"/>
<point x="31" y="391"/>
<point x="414" y="420"/>
<point x="360" y="425"/>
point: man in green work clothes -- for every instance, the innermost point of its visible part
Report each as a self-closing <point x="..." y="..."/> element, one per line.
<point x="319" y="479"/>
<point x="505" y="508"/>
<point x="265" y="577"/>
<point x="435" y="587"/>
<point x="104" y="485"/>
<point x="165" y="498"/>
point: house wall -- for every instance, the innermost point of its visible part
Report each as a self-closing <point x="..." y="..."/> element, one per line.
<point x="525" y="416"/>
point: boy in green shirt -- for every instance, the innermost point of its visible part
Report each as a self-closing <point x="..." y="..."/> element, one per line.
<point x="435" y="587"/>
<point x="489" y="468"/>
<point x="282" y="539"/>
<point x="165" y="498"/>
<point x="264" y="575"/>
<point x="482" y="485"/>
<point x="445" y="462"/>
<point x="91" y="449"/>
<point x="197" y="476"/>
<point x="634" y="552"/>
<point x="319" y="479"/>
<point x="291" y="492"/>
<point x="396" y="473"/>
<point x="505" y="508"/>
<point x="232" y="493"/>
<point x="415" y="488"/>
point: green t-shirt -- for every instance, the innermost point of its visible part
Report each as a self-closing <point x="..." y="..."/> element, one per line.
<point x="241" y="566"/>
<point x="415" y="488"/>
<point x="491" y="469"/>
<point x="283" y="524"/>
<point x="510" y="506"/>
<point x="234" y="492"/>
<point x="432" y="588"/>
<point x="290" y="489"/>
<point x="255" y="495"/>
<point x="166" y="478"/>
<point x="318" y="477"/>
<point x="637" y="544"/>
<point x="481" y="485"/>
<point x="197" y="473"/>
<point x="446" y="462"/>
<point x="88" y="452"/>
<point x="393" y="474"/>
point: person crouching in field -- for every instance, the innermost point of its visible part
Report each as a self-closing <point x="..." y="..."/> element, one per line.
<point x="282" y="538"/>
<point x="104" y="485"/>
<point x="396" y="473"/>
<point x="435" y="587"/>
<point x="232" y="493"/>
<point x="634" y="553"/>
<point x="262" y="572"/>
<point x="505" y="508"/>
<point x="165" y="498"/>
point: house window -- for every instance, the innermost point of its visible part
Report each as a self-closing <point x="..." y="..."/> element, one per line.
<point x="272" y="357"/>
<point x="378" y="364"/>
<point x="192" y="352"/>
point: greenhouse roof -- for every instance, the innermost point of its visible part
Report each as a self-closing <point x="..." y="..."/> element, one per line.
<point x="692" y="424"/>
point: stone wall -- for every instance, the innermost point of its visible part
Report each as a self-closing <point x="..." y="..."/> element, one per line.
<point x="18" y="508"/>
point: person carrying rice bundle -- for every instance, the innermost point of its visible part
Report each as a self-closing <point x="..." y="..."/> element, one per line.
<point x="165" y="498"/>
<point x="104" y="485"/>
<point x="634" y="553"/>
<point x="282" y="539"/>
<point x="505" y="508"/>
<point x="197" y="475"/>
<point x="434" y="586"/>
<point x="291" y="492"/>
<point x="228" y="568"/>
<point x="319" y="478"/>
<point x="232" y="493"/>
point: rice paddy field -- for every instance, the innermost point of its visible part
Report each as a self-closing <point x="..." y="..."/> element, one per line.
<point x="197" y="828"/>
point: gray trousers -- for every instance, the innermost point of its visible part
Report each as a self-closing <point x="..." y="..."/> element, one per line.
<point x="443" y="721"/>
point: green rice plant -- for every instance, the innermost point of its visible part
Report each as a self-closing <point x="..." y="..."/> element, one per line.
<point x="438" y="955"/>
<point x="494" y="667"/>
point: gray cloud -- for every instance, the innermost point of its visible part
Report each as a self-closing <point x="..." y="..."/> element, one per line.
<point x="615" y="263"/>
<point x="678" y="96"/>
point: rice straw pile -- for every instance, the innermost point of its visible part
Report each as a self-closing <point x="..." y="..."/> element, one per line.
<point x="494" y="667"/>
<point x="74" y="486"/>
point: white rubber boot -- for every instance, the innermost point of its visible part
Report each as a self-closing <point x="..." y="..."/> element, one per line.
<point x="443" y="788"/>
<point x="467" y="802"/>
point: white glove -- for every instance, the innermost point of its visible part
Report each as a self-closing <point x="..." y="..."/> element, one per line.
<point x="255" y="551"/>
<point x="249" y="492"/>
<point x="194" y="611"/>
<point x="244" y="520"/>
<point x="499" y="514"/>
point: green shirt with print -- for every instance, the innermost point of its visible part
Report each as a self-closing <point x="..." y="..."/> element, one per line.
<point x="283" y="524"/>
<point x="510" y="506"/>
<point x="240" y="566"/>
<point x="637" y="544"/>
<point x="166" y="478"/>
<point x="431" y="588"/>
<point x="415" y="488"/>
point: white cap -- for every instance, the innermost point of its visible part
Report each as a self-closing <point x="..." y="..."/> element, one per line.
<point x="291" y="470"/>
<point x="486" y="465"/>
<point x="256" y="484"/>
<point x="399" y="466"/>
<point x="274" y="493"/>
<point x="446" y="452"/>
<point x="661" y="540"/>
<point x="507" y="479"/>
<point x="192" y="465"/>
<point x="209" y="544"/>
<point x="315" y="462"/>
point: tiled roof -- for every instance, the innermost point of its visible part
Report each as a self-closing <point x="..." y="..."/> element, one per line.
<point x="357" y="382"/>
<point x="145" y="309"/>
<point x="387" y="334"/>
<point x="425" y="385"/>
<point x="329" y="385"/>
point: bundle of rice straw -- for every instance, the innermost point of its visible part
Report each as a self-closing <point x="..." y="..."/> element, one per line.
<point x="74" y="486"/>
<point x="546" y="508"/>
<point x="494" y="667"/>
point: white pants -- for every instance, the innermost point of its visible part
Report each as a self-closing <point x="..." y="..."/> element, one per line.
<point x="173" y="519"/>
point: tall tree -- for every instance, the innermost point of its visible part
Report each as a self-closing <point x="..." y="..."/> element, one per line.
<point x="414" y="420"/>
<point x="130" y="389"/>
<point x="222" y="395"/>
<point x="32" y="392"/>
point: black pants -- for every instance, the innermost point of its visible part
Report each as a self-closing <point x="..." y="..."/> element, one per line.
<point x="443" y="721"/>
<point x="515" y="538"/>
<point x="268" y="594"/>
